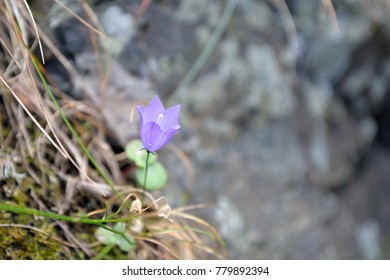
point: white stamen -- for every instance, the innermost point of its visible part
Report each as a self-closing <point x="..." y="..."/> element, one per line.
<point x="160" y="116"/>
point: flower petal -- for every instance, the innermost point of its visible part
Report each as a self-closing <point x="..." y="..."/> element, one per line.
<point x="170" y="118"/>
<point x="157" y="125"/>
<point x="163" y="140"/>
<point x="152" y="111"/>
<point x="150" y="134"/>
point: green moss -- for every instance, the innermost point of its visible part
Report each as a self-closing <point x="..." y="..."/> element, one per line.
<point x="17" y="243"/>
<point x="21" y="197"/>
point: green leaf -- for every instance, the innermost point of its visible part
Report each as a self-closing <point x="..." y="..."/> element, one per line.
<point x="157" y="176"/>
<point x="108" y="237"/>
<point x="104" y="236"/>
<point x="122" y="242"/>
<point x="136" y="152"/>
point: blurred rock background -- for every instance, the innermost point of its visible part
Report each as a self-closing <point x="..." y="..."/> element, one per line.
<point x="286" y="126"/>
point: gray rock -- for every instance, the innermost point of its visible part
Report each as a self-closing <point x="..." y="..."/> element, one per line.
<point x="120" y="29"/>
<point x="367" y="236"/>
<point x="269" y="82"/>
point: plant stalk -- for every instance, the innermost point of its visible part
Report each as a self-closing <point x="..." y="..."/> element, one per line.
<point x="146" y="175"/>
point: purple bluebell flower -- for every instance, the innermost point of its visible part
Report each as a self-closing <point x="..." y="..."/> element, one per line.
<point x="157" y="125"/>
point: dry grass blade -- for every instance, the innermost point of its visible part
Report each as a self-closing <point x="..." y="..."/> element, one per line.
<point x="33" y="118"/>
<point x="191" y="237"/>
<point x="7" y="49"/>
<point x="35" y="29"/>
<point x="162" y="245"/>
<point x="90" y="27"/>
<point x="103" y="65"/>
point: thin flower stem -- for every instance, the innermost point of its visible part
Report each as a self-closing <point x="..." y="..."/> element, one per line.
<point x="146" y="175"/>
